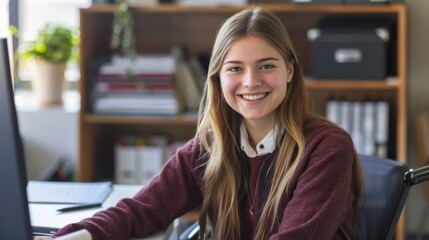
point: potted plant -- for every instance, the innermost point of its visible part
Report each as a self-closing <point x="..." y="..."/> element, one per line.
<point x="47" y="58"/>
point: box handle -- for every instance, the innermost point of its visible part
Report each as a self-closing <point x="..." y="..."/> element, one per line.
<point x="348" y="55"/>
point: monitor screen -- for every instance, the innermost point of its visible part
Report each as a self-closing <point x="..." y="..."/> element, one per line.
<point x="14" y="214"/>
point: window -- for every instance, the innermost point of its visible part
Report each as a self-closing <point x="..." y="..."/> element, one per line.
<point x="4" y="17"/>
<point x="33" y="15"/>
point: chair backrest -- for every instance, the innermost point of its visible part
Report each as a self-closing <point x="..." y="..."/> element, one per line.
<point x="386" y="193"/>
<point x="422" y="143"/>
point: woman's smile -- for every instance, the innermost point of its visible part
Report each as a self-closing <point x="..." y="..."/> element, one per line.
<point x="254" y="97"/>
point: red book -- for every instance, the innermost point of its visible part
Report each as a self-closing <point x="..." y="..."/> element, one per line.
<point x="136" y="77"/>
<point x="132" y="86"/>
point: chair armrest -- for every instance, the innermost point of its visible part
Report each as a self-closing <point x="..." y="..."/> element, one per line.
<point x="416" y="176"/>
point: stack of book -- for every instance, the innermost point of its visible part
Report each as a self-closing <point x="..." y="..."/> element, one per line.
<point x="139" y="158"/>
<point x="142" y="85"/>
<point x="367" y="123"/>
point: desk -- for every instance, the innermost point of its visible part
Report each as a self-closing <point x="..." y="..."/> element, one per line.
<point x="47" y="215"/>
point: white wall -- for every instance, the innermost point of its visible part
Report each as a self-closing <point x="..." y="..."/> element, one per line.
<point x="418" y="97"/>
<point x="48" y="134"/>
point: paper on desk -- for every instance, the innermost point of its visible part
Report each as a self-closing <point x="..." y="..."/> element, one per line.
<point x="68" y="192"/>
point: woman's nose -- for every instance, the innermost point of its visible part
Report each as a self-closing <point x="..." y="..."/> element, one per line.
<point x="251" y="79"/>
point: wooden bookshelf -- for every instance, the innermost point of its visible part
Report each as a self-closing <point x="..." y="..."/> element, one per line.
<point x="159" y="28"/>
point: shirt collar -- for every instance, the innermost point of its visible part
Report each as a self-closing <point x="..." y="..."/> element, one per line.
<point x="265" y="146"/>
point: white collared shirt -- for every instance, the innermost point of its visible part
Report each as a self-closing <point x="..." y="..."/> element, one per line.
<point x="266" y="145"/>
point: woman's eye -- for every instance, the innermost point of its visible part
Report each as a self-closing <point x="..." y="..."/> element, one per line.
<point x="233" y="69"/>
<point x="267" y="66"/>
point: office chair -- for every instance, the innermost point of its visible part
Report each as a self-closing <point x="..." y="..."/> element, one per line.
<point x="422" y="142"/>
<point x="384" y="197"/>
<point x="387" y="184"/>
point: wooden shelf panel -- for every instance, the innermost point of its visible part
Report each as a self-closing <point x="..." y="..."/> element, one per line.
<point x="183" y="120"/>
<point x="353" y="84"/>
<point x="295" y="8"/>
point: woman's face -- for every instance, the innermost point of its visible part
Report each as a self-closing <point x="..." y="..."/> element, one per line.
<point x="254" y="79"/>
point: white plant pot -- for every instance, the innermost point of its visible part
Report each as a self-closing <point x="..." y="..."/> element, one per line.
<point x="47" y="81"/>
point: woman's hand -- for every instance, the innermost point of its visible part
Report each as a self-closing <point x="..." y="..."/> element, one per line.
<point x="42" y="238"/>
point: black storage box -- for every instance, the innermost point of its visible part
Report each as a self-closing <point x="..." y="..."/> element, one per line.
<point x="349" y="49"/>
<point x="366" y="1"/>
<point x="341" y="1"/>
<point x="318" y="1"/>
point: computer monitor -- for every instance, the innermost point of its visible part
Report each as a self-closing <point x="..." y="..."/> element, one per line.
<point x="14" y="215"/>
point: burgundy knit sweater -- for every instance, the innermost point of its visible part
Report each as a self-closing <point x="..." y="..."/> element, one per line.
<point x="318" y="201"/>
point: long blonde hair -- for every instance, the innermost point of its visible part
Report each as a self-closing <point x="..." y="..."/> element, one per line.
<point x="218" y="129"/>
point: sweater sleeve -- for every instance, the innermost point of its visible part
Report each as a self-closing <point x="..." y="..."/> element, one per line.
<point x="172" y="193"/>
<point x="320" y="196"/>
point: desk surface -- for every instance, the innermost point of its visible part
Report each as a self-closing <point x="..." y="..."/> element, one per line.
<point x="47" y="215"/>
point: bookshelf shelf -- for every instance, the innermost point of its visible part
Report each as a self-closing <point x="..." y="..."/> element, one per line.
<point x="195" y="27"/>
<point x="295" y="8"/>
<point x="352" y="84"/>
